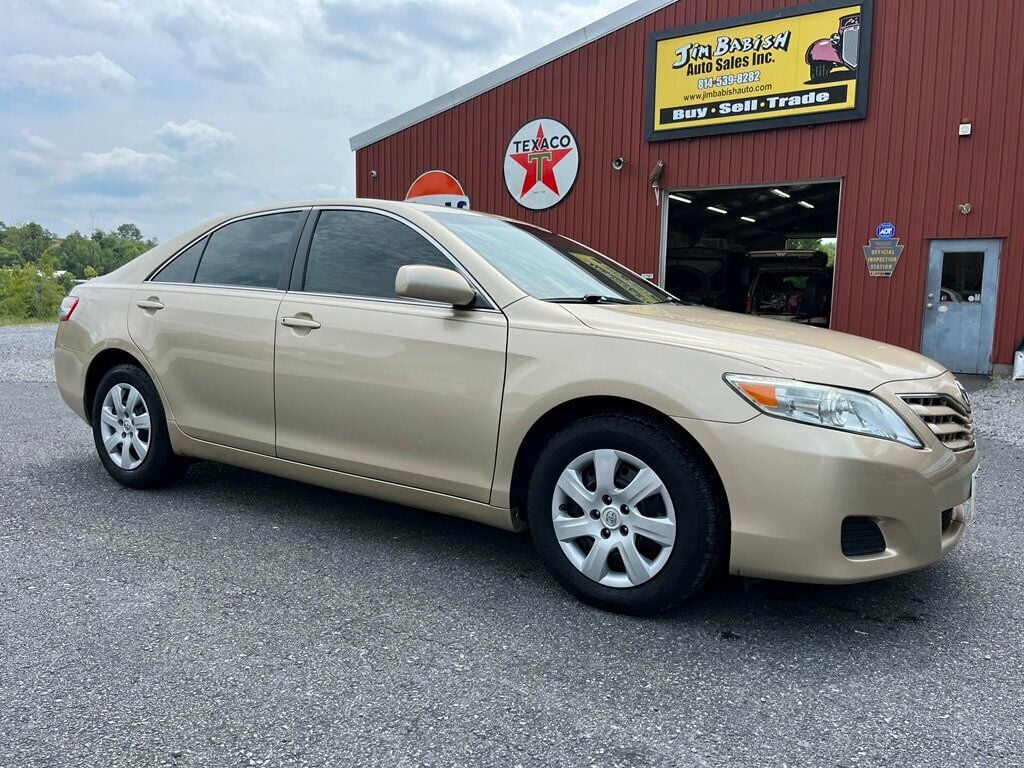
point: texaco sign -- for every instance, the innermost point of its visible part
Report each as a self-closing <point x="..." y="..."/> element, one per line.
<point x="541" y="164"/>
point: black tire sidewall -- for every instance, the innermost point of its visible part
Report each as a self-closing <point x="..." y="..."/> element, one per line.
<point x="689" y="486"/>
<point x="159" y="465"/>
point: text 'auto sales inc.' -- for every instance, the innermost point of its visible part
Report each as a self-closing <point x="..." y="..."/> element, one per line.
<point x="844" y="164"/>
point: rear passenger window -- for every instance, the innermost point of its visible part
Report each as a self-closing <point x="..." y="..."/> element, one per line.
<point x="356" y="253"/>
<point x="249" y="252"/>
<point x="183" y="268"/>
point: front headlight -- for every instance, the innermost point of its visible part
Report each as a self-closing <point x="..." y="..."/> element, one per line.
<point x="823" y="406"/>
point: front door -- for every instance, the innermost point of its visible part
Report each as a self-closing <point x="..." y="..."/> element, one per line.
<point x="960" y="304"/>
<point x="374" y="385"/>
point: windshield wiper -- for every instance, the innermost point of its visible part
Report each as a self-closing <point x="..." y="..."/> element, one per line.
<point x="591" y="298"/>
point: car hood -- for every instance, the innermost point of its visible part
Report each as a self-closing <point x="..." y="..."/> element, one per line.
<point x="789" y="349"/>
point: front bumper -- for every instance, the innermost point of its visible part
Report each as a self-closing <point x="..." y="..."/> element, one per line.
<point x="790" y="486"/>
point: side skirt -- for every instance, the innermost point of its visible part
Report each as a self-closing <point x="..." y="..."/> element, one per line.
<point x="340" y="481"/>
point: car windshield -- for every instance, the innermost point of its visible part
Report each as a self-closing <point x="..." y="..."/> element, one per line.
<point x="548" y="266"/>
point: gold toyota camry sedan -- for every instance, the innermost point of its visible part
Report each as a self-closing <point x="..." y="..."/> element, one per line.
<point x="489" y="369"/>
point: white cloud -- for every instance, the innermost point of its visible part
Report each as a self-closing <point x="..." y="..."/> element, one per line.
<point x="93" y="14"/>
<point x="233" y="41"/>
<point x="38" y="143"/>
<point x="28" y="163"/>
<point x="67" y="75"/>
<point x="194" y="136"/>
<point x="414" y="31"/>
<point x="120" y="172"/>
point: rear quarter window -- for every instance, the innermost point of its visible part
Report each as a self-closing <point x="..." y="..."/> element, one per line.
<point x="182" y="268"/>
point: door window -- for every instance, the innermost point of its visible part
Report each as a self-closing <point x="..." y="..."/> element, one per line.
<point x="249" y="252"/>
<point x="357" y="253"/>
<point x="962" y="273"/>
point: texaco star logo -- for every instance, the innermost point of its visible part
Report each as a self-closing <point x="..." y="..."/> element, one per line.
<point x="541" y="164"/>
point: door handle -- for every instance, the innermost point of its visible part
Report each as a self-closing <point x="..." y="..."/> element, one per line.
<point x="300" y="322"/>
<point x="152" y="304"/>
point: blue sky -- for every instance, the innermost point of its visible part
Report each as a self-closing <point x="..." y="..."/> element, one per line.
<point x="165" y="113"/>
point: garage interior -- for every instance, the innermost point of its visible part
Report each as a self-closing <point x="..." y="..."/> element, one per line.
<point x="712" y="232"/>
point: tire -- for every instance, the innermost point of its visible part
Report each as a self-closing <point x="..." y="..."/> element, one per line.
<point x="820" y="70"/>
<point x="127" y="394"/>
<point x="665" y="576"/>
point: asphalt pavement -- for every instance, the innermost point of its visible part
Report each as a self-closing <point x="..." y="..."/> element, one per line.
<point x="241" y="620"/>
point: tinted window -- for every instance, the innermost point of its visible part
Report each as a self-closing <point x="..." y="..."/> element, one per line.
<point x="248" y="252"/>
<point x="183" y="268"/>
<point x="358" y="254"/>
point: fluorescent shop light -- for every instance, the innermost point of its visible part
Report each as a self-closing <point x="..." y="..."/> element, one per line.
<point x="805" y="204"/>
<point x="717" y="210"/>
<point x="780" y="193"/>
<point x="747" y="218"/>
<point x="680" y="198"/>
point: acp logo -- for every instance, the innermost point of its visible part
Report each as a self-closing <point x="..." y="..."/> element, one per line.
<point x="437" y="188"/>
<point x="541" y="164"/>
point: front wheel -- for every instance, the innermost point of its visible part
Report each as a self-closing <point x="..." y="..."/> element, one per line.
<point x="623" y="513"/>
<point x="130" y="430"/>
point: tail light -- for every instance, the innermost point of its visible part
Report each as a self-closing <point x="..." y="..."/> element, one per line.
<point x="67" y="307"/>
<point x="748" y="305"/>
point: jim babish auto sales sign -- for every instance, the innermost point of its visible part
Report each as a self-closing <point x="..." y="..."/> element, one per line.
<point x="796" y="66"/>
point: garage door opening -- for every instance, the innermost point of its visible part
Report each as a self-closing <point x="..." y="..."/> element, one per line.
<point x="767" y="251"/>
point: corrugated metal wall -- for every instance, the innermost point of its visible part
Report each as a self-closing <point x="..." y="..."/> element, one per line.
<point x="933" y="63"/>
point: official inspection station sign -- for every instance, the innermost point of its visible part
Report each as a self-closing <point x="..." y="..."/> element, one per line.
<point x="797" y="66"/>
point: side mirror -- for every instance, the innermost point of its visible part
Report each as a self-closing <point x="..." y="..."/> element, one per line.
<point x="419" y="281"/>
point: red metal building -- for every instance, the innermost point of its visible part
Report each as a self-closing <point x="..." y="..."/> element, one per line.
<point x="937" y="154"/>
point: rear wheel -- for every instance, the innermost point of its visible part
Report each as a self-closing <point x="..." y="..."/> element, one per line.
<point x="624" y="515"/>
<point x="130" y="430"/>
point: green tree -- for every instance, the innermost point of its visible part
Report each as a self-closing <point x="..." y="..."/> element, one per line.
<point x="29" y="241"/>
<point x="128" y="232"/>
<point x="76" y="252"/>
<point x="811" y="244"/>
<point x="90" y="273"/>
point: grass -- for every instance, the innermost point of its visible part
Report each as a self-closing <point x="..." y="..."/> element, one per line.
<point x="25" y="321"/>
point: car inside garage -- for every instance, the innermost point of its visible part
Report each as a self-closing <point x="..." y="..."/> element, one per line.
<point x="761" y="250"/>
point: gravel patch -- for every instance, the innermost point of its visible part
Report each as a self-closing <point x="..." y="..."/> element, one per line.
<point x="999" y="410"/>
<point x="26" y="352"/>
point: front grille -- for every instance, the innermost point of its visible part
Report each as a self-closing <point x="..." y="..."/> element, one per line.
<point x="861" y="536"/>
<point x="947" y="519"/>
<point x="947" y="418"/>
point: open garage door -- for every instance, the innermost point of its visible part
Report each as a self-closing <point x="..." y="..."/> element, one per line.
<point x="766" y="250"/>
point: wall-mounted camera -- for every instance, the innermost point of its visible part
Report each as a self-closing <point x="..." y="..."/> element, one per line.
<point x="618" y="163"/>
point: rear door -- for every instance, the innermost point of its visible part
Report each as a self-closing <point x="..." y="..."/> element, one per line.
<point x="205" y="322"/>
<point x="375" y="385"/>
